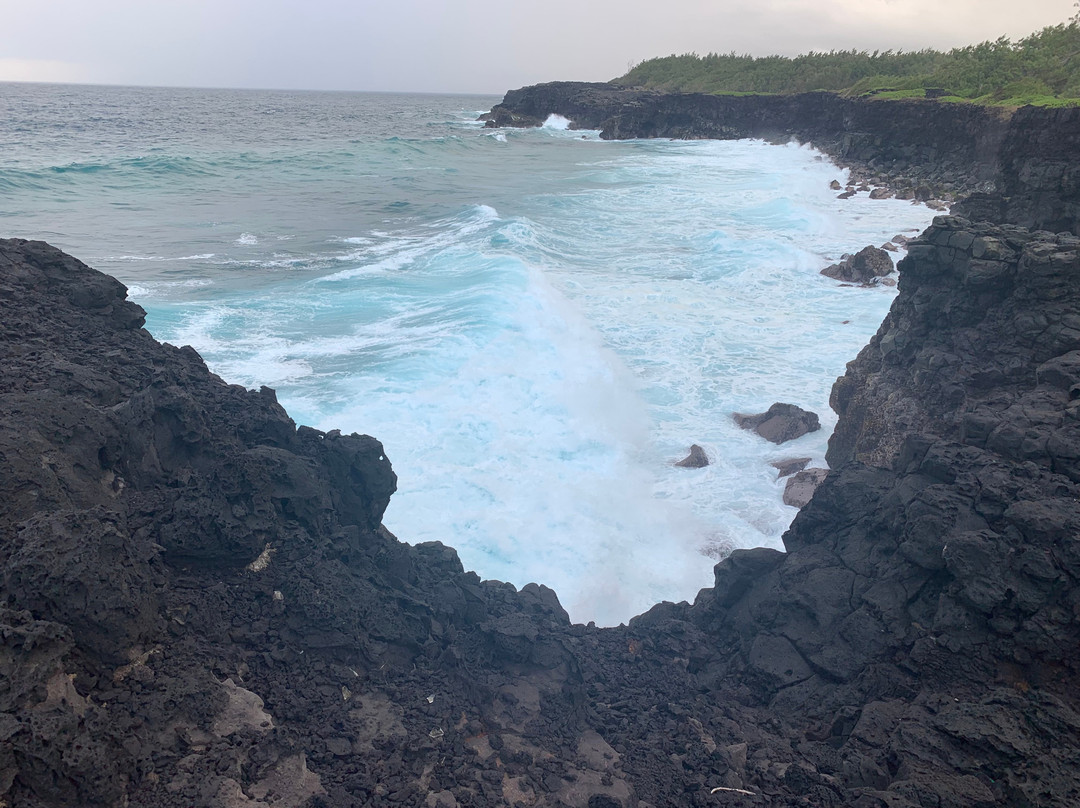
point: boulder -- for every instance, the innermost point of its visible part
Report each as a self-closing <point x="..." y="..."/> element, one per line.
<point x="800" y="487"/>
<point x="880" y="193"/>
<point x="789" y="465"/>
<point x="835" y="185"/>
<point x="780" y="423"/>
<point x="865" y="266"/>
<point x="695" y="460"/>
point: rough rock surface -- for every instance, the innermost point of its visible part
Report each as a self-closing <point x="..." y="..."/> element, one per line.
<point x="865" y="266"/>
<point x="801" y="486"/>
<point x="780" y="423"/>
<point x="912" y="146"/>
<point x="200" y="605"/>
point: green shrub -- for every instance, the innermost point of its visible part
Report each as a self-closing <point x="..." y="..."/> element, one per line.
<point x="1042" y="68"/>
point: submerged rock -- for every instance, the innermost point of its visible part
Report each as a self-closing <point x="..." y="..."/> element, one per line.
<point x="780" y="423"/>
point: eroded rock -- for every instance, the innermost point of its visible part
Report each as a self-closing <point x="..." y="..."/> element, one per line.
<point x="865" y="266"/>
<point x="780" y="423"/>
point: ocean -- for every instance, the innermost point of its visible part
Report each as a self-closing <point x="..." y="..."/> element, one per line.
<point x="535" y="323"/>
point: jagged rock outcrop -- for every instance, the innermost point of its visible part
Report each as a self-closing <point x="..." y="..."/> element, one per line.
<point x="200" y="606"/>
<point x="928" y="605"/>
<point x="943" y="149"/>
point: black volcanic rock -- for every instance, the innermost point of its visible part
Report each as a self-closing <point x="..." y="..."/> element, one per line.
<point x="865" y="266"/>
<point x="895" y="141"/>
<point x="199" y="605"/>
<point x="697" y="458"/>
<point x="927" y="599"/>
<point x="780" y="423"/>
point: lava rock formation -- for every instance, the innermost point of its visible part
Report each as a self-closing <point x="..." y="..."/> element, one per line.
<point x="201" y="607"/>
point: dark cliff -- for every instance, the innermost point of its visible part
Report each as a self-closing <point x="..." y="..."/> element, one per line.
<point x="952" y="146"/>
<point x="200" y="606"/>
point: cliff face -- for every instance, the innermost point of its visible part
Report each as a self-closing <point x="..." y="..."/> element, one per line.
<point x="930" y="587"/>
<point x="952" y="146"/>
<point x="1039" y="179"/>
<point x="200" y="606"/>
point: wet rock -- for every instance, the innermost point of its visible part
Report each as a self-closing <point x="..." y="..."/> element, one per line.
<point x="695" y="460"/>
<point x="788" y="466"/>
<point x="865" y="266"/>
<point x="881" y="193"/>
<point x="780" y="423"/>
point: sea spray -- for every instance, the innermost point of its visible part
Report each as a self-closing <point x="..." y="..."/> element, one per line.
<point x="536" y="323"/>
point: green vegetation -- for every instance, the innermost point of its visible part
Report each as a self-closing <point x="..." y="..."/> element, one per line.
<point x="1042" y="69"/>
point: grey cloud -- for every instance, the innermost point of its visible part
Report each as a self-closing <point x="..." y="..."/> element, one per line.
<point x="472" y="45"/>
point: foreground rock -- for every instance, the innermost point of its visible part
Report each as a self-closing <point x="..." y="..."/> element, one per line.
<point x="200" y="606"/>
<point x="780" y="423"/>
<point x="865" y="266"/>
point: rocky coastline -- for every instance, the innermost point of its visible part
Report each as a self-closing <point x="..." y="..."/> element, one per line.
<point x="202" y="608"/>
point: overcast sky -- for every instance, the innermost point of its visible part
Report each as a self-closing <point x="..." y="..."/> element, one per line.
<point x="481" y="46"/>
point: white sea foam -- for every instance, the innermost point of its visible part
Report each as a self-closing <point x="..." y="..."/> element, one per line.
<point x="534" y="370"/>
<point x="394" y="252"/>
<point x="554" y="121"/>
<point x="247" y="239"/>
<point x="123" y="258"/>
<point x="164" y="288"/>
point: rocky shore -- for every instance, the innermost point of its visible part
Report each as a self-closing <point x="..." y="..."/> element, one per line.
<point x="201" y="608"/>
<point x="917" y="148"/>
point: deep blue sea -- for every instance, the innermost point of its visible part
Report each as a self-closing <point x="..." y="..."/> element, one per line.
<point x="535" y="323"/>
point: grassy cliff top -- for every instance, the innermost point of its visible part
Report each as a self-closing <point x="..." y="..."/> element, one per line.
<point x="1043" y="69"/>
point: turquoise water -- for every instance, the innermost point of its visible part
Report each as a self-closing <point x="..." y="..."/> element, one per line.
<point x="535" y="323"/>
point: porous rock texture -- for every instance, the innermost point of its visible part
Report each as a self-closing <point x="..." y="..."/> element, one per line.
<point x="200" y="607"/>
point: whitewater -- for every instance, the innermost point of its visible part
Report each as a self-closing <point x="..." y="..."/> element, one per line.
<point x="536" y="323"/>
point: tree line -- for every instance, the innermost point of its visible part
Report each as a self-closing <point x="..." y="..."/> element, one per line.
<point x="1043" y="68"/>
